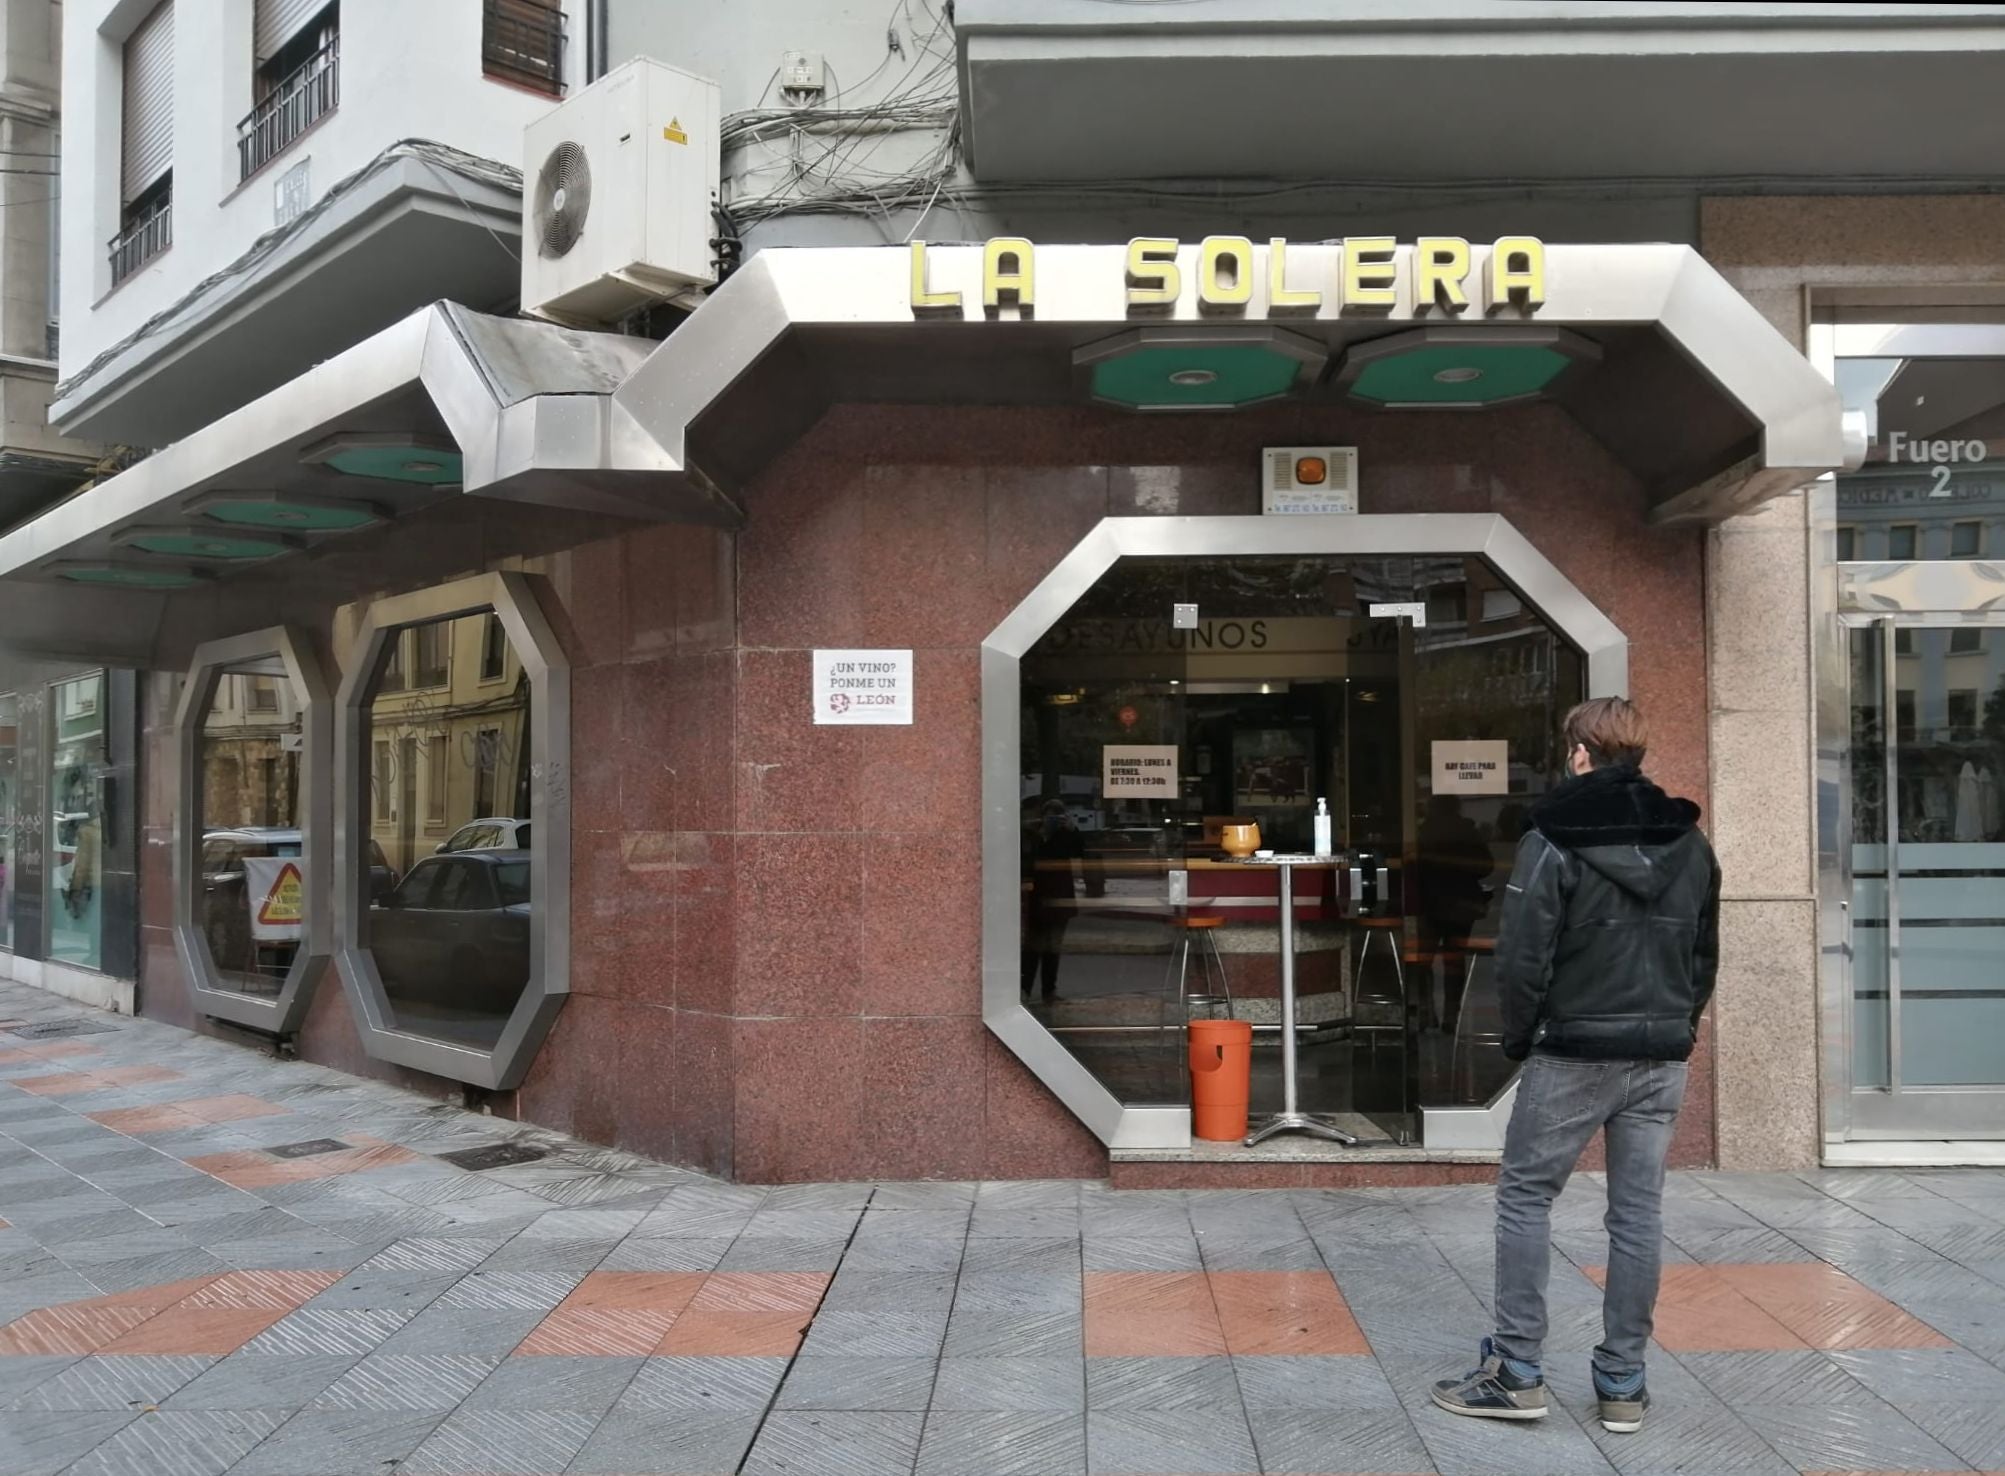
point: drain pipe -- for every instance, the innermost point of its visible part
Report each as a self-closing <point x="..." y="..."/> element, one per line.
<point x="595" y="42"/>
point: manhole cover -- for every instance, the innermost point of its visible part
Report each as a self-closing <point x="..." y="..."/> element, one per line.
<point x="309" y="1149"/>
<point x="50" y="1029"/>
<point x="494" y="1156"/>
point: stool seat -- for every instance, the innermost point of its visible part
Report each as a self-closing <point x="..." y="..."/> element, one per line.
<point x="1197" y="922"/>
<point x="1377" y="922"/>
<point x="1413" y="956"/>
<point x="1474" y="945"/>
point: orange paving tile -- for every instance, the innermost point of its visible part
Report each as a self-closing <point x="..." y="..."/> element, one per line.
<point x="62" y="1084"/>
<point x="255" y="1169"/>
<point x="761" y="1291"/>
<point x="1828" y="1309"/>
<point x="735" y="1334"/>
<point x="136" y="1120"/>
<point x="1284" y="1312"/>
<point x="234" y="1107"/>
<point x="636" y="1291"/>
<point x="189" y="1330"/>
<point x="1140" y="1314"/>
<point x="597" y="1332"/>
<point x="153" y="1298"/>
<point x="135" y="1075"/>
<point x="283" y="1290"/>
<point x="5" y="1226"/>
<point x="74" y="1328"/>
<point x="55" y="1050"/>
<point x="1699" y="1312"/>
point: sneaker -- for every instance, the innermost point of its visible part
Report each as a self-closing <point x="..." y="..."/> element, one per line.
<point x="1622" y="1414"/>
<point x="1492" y="1392"/>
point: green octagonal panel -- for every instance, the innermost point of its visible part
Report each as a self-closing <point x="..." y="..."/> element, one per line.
<point x="196" y="544"/>
<point x="1459" y="374"/>
<point x="285" y="512"/>
<point x="1195" y="376"/>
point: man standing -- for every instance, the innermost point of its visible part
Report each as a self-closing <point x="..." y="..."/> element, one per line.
<point x="1605" y="959"/>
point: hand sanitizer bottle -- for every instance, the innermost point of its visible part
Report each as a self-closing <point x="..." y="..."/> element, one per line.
<point x="1323" y="847"/>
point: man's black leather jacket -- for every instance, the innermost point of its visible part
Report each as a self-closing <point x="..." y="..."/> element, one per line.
<point x="1609" y="941"/>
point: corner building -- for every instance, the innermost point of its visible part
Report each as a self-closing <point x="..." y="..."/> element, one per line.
<point x="490" y="738"/>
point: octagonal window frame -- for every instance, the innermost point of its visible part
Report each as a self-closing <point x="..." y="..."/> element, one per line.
<point x="282" y="1013"/>
<point x="511" y="597"/>
<point x="1604" y="650"/>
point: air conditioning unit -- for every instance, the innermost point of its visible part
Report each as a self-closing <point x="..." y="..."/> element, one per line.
<point x="1309" y="479"/>
<point x="617" y="189"/>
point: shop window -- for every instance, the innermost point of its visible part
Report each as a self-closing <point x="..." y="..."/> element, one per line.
<point x="1901" y="541"/>
<point x="445" y="940"/>
<point x="10" y="716"/>
<point x="1966" y="540"/>
<point x="252" y="875"/>
<point x="1847" y="543"/>
<point x="74" y="905"/>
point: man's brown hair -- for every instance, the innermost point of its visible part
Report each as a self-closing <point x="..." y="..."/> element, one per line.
<point x="1610" y="729"/>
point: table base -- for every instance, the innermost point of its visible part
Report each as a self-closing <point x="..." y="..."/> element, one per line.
<point x="1295" y="1122"/>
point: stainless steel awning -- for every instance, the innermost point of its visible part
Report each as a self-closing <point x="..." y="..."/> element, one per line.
<point x="474" y="439"/>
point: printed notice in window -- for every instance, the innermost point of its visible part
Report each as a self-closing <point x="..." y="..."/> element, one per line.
<point x="1138" y="771"/>
<point x="1476" y="767"/>
<point x="872" y="687"/>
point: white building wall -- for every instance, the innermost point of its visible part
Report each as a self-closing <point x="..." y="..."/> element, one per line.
<point x="410" y="69"/>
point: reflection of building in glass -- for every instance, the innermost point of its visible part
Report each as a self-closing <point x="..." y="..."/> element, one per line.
<point x="9" y="822"/>
<point x="1933" y="483"/>
<point x="251" y="753"/>
<point x="448" y="735"/>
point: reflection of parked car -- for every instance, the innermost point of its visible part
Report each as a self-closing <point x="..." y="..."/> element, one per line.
<point x="495" y="833"/>
<point x="226" y="918"/>
<point x="456" y="932"/>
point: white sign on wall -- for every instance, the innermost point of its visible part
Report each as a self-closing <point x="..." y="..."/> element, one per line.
<point x="1478" y="767"/>
<point x="1138" y="771"/>
<point x="872" y="687"/>
<point x="275" y="891"/>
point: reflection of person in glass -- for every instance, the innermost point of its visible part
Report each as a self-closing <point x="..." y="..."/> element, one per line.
<point x="82" y="883"/>
<point x="1455" y="861"/>
<point x="1053" y="848"/>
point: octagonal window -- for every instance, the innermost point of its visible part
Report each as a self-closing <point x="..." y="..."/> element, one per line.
<point x="1180" y="701"/>
<point x="449" y="865"/>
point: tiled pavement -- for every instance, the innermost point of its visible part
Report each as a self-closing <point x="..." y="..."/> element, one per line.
<point x="213" y="1262"/>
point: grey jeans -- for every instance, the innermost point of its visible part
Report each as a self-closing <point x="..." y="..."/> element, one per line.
<point x="1561" y="1104"/>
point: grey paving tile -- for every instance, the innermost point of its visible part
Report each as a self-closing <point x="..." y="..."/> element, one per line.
<point x="1014" y="1334"/>
<point x="435" y="1254"/>
<point x="873" y="1288"/>
<point x="1332" y="1440"/>
<point x="123" y="1276"/>
<point x="627" y="1442"/>
<point x="515" y="1290"/>
<point x="580" y="1385"/>
<point x="636" y="1253"/>
<point x="1019" y="1291"/>
<point x="502" y="1442"/>
<point x="1767" y="1379"/>
<point x="731" y="1385"/>
<point x="1739" y="1246"/>
<point x="351" y="1330"/>
<point x="915" y="1253"/>
<point x="410" y="1381"/>
<point x="1019" y="1223"/>
<point x="1900" y="1375"/>
<point x="22" y="1373"/>
<point x="1056" y="1385"/>
<point x="1161" y="1383"/>
<point x="261" y="1381"/>
<point x="1682" y="1439"/>
<point x="875" y="1334"/>
<point x="44" y="1442"/>
<point x="1142" y="1253"/>
<point x="1314" y="1383"/>
<point x="1971" y="1429"/>
<point x="396" y="1291"/>
<point x="1554" y="1446"/>
<point x="1003" y="1444"/>
<point x="1122" y="1442"/>
<point x="781" y="1253"/>
<point x="835" y="1443"/>
<point x="924" y="1196"/>
<point x="576" y="1257"/>
<point x="842" y="1382"/>
<point x="339" y="1443"/>
<point x="476" y="1330"/>
<point x="1147" y="1219"/>
<point x="1865" y="1435"/>
<point x="951" y="1223"/>
<point x="113" y="1382"/>
<point x="1231" y="1253"/>
<point x="180" y="1443"/>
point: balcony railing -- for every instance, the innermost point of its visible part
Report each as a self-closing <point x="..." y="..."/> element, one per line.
<point x="148" y="236"/>
<point x="523" y="41"/>
<point x="294" y="106"/>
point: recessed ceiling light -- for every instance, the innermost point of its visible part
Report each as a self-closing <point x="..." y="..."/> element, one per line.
<point x="288" y="515"/>
<point x="423" y="466"/>
<point x="1192" y="377"/>
<point x="1463" y="374"/>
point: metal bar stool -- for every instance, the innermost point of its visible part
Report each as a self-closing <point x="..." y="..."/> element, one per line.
<point x="1376" y="1010"/>
<point x="1479" y="1019"/>
<point x="1199" y="932"/>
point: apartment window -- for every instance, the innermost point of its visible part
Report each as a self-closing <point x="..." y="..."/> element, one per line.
<point x="1966" y="540"/>
<point x="1448" y="605"/>
<point x="298" y="82"/>
<point x="435" y="779"/>
<point x="261" y="693"/>
<point x="386" y="774"/>
<point x="392" y="679"/>
<point x="146" y="165"/>
<point x="1901" y="541"/>
<point x="1965" y="640"/>
<point x="487" y="766"/>
<point x="1904" y="717"/>
<point x="1848" y="541"/>
<point x="1963" y="713"/>
<point x="1501" y="604"/>
<point x="522" y="41"/>
<point x="493" y="650"/>
<point x="1903" y="640"/>
<point x="430" y="669"/>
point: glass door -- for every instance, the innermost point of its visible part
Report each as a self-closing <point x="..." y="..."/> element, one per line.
<point x="1927" y="853"/>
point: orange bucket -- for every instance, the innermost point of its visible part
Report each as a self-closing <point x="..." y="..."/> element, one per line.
<point x="1221" y="1071"/>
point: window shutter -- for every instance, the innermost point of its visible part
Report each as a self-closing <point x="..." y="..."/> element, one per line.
<point x="278" y="21"/>
<point x="149" y="101"/>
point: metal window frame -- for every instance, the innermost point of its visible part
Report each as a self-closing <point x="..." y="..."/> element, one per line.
<point x="513" y="597"/>
<point x="283" y="1013"/>
<point x="1892" y="596"/>
<point x="1603" y="647"/>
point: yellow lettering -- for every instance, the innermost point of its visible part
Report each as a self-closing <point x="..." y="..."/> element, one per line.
<point x="1440" y="268"/>
<point x="1281" y="298"/>
<point x="1517" y="274"/>
<point x="923" y="299"/>
<point x="1008" y="274"/>
<point x="1154" y="279"/>
<point x="1369" y="274"/>
<point x="1223" y="286"/>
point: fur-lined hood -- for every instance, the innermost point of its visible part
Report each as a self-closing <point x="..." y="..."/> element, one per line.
<point x="1621" y="824"/>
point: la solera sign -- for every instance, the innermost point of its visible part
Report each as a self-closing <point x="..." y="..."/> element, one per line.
<point x="1361" y="275"/>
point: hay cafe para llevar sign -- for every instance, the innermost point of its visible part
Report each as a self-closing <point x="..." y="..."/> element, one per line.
<point x="1359" y="275"/>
